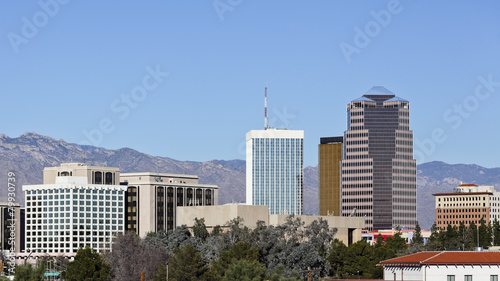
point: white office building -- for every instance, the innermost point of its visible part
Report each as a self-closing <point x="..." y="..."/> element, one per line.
<point x="275" y="170"/>
<point x="77" y="206"/>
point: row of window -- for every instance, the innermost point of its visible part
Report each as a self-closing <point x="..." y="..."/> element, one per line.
<point x="56" y="191"/>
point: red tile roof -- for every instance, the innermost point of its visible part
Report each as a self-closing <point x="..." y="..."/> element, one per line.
<point x="445" y="257"/>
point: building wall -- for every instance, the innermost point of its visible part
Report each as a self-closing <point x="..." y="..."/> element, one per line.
<point x="67" y="215"/>
<point x="94" y="174"/>
<point x="153" y="199"/>
<point x="12" y="228"/>
<point x="433" y="272"/>
<point x="467" y="207"/>
<point x="275" y="170"/>
<point x="330" y="157"/>
<point x="349" y="228"/>
<point x="220" y="215"/>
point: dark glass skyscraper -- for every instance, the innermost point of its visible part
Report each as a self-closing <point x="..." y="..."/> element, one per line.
<point x="378" y="169"/>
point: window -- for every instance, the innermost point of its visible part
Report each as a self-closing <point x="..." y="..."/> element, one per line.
<point x="493" y="277"/>
<point x="468" y="278"/>
<point x="450" y="278"/>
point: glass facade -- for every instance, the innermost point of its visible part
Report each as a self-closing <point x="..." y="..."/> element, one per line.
<point x="275" y="171"/>
<point x="378" y="169"/>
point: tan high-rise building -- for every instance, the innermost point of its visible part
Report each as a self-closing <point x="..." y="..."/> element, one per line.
<point x="469" y="203"/>
<point x="379" y="178"/>
<point x="329" y="169"/>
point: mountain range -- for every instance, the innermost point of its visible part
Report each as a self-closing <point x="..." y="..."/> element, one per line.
<point x="28" y="154"/>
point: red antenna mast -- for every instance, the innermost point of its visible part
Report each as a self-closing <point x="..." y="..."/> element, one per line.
<point x="265" y="109"/>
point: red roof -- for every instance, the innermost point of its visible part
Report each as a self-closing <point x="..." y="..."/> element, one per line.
<point x="445" y="257"/>
<point x="468" y="184"/>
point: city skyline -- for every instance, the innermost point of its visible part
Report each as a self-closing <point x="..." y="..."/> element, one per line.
<point x="189" y="70"/>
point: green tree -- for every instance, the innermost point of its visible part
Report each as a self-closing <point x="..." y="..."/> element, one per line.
<point x="200" y="229"/>
<point x="450" y="239"/>
<point x="160" y="274"/>
<point x="240" y="251"/>
<point x="216" y="230"/>
<point x="186" y="264"/>
<point x="359" y="260"/>
<point x="465" y="237"/>
<point x="397" y="243"/>
<point x="278" y="274"/>
<point x="417" y="239"/>
<point x="484" y="234"/>
<point x="87" y="266"/>
<point x="473" y="232"/>
<point x="496" y="232"/>
<point x="29" y="273"/>
<point x="245" y="270"/>
<point x="434" y="241"/>
<point x="336" y="258"/>
<point x="379" y="242"/>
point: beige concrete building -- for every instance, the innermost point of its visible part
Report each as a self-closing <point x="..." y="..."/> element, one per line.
<point x="153" y="199"/>
<point x="348" y="228"/>
<point x="94" y="174"/>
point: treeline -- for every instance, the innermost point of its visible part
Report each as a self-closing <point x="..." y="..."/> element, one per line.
<point x="231" y="252"/>
<point x="463" y="237"/>
<point x="287" y="252"/>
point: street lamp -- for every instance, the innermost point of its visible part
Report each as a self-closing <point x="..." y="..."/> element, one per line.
<point x="30" y="251"/>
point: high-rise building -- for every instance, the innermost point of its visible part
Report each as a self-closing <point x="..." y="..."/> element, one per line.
<point x="329" y="160"/>
<point x="275" y="170"/>
<point x="378" y="169"/>
<point x="152" y="199"/>
<point x="12" y="219"/>
<point x="469" y="203"/>
<point x="76" y="206"/>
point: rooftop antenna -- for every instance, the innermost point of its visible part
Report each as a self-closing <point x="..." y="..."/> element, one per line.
<point x="265" y="109"/>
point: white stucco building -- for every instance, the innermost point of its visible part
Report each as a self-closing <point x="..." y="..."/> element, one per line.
<point x="445" y="265"/>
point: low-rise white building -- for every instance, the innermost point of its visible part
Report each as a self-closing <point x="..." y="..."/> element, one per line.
<point x="445" y="265"/>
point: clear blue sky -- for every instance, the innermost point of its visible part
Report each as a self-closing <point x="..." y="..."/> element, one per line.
<point x="64" y="69"/>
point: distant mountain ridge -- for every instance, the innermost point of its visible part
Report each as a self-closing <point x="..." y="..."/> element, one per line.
<point x="29" y="153"/>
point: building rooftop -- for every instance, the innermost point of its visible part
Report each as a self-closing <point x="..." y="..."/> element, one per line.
<point x="363" y="98"/>
<point x="397" y="99"/>
<point x="445" y="258"/>
<point x="379" y="90"/>
<point x="462" y="193"/>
